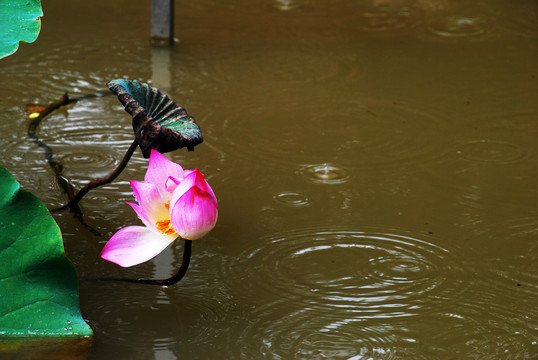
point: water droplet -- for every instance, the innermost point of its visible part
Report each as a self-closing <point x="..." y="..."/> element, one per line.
<point x="458" y="26"/>
<point x="325" y="173"/>
<point x="291" y="198"/>
<point x="286" y="5"/>
<point x="490" y="151"/>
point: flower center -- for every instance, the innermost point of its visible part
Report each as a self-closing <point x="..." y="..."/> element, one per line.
<point x="165" y="227"/>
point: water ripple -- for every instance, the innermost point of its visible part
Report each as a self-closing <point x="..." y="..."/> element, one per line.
<point x="452" y="21"/>
<point x="383" y="18"/>
<point x="79" y="134"/>
<point x="198" y="309"/>
<point x="490" y="151"/>
<point x="39" y="69"/>
<point x="84" y="140"/>
<point x="515" y="274"/>
<point x="459" y="26"/>
<point x="501" y="138"/>
<point x="294" y="64"/>
<point x="304" y="334"/>
<point x="496" y="337"/>
<point x="327" y="292"/>
<point x="87" y="161"/>
<point x="146" y="312"/>
<point x="386" y="134"/>
<point x="286" y="5"/>
<point x="495" y="145"/>
<point x="19" y="154"/>
<point x="291" y="198"/>
<point x="325" y="173"/>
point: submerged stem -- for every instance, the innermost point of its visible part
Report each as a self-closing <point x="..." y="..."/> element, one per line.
<point x="56" y="166"/>
<point x="106" y="179"/>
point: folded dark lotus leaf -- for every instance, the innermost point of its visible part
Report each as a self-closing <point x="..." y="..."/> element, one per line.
<point x="158" y="122"/>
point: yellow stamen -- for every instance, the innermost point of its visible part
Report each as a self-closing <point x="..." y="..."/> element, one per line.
<point x="165" y="227"/>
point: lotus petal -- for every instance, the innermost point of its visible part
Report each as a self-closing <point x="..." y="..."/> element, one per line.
<point x="152" y="205"/>
<point x="192" y="178"/>
<point x="194" y="214"/>
<point x="160" y="170"/>
<point x="134" y="245"/>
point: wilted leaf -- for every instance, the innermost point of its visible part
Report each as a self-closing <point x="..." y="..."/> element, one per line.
<point x="158" y="122"/>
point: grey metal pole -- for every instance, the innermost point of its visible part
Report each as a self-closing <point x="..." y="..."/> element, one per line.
<point x="162" y="22"/>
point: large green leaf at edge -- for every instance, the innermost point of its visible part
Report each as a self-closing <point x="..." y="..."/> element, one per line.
<point x="20" y="20"/>
<point x="38" y="283"/>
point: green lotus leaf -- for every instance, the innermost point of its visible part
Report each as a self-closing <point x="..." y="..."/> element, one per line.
<point x="38" y="283"/>
<point x="20" y="20"/>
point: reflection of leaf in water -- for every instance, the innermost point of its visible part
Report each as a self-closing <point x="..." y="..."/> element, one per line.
<point x="158" y="122"/>
<point x="38" y="284"/>
<point x="20" y="20"/>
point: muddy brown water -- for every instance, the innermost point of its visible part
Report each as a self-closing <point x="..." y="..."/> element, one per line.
<point x="375" y="164"/>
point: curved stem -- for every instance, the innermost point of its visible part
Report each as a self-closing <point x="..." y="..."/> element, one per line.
<point x="162" y="282"/>
<point x="180" y="273"/>
<point x="106" y="179"/>
<point x="56" y="166"/>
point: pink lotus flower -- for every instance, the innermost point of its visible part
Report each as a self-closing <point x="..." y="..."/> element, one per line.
<point x="172" y="203"/>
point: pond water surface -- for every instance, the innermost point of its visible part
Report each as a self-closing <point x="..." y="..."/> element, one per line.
<point x="375" y="162"/>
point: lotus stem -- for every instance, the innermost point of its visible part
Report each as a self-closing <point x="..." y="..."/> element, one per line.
<point x="56" y="166"/>
<point x="106" y="179"/>
<point x="162" y="282"/>
<point x="180" y="272"/>
<point x="53" y="163"/>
